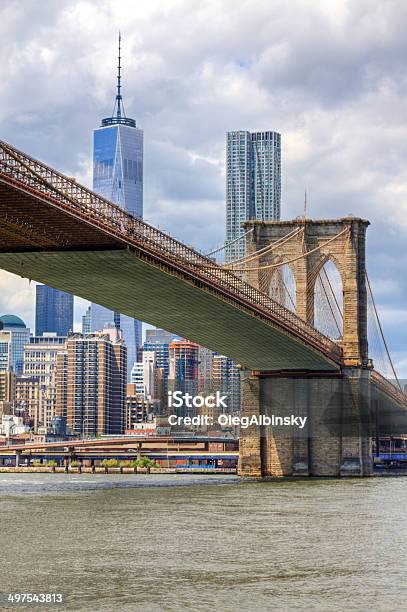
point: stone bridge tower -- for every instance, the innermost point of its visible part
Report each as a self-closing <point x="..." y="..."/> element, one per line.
<point x="347" y="252"/>
<point x="333" y="443"/>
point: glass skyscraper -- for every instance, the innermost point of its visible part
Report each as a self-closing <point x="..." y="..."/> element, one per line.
<point x="253" y="184"/>
<point x="118" y="176"/>
<point x="118" y="164"/>
<point x="159" y="340"/>
<point x="53" y="311"/>
<point x="15" y="335"/>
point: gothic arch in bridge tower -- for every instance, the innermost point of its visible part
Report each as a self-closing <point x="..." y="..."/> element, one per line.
<point x="341" y="241"/>
<point x="328" y="300"/>
<point x="281" y="286"/>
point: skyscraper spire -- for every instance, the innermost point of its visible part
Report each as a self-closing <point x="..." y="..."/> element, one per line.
<point x="119" y="114"/>
<point x="119" y="77"/>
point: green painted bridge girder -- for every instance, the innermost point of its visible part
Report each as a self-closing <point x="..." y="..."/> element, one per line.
<point x="121" y="281"/>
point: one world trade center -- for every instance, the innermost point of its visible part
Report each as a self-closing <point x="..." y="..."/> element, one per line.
<point x="118" y="177"/>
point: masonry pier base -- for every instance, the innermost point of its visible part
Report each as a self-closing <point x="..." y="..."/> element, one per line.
<point x="335" y="440"/>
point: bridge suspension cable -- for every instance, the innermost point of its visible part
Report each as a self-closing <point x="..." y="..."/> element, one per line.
<point x="283" y="263"/>
<point x="339" y="309"/>
<point x="85" y="207"/>
<point x="279" y="283"/>
<point x="380" y="328"/>
<point x="225" y="245"/>
<point x="321" y="282"/>
<point x="265" y="250"/>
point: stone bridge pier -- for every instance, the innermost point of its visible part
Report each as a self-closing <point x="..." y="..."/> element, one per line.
<point x="335" y="440"/>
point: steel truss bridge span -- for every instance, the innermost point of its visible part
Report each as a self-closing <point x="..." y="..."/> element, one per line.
<point x="57" y="232"/>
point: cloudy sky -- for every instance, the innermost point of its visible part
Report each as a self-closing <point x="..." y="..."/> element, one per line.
<point x="330" y="75"/>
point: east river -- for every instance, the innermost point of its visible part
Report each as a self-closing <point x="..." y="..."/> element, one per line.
<point x="184" y="542"/>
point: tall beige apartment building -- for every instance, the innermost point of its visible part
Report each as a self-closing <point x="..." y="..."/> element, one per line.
<point x="91" y="383"/>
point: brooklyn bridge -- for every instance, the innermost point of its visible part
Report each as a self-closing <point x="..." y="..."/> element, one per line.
<point x="260" y="310"/>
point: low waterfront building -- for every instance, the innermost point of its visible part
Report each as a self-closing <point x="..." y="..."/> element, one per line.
<point x="139" y="409"/>
<point x="12" y="425"/>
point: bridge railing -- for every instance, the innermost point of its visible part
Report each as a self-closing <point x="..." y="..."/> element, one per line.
<point x="389" y="388"/>
<point x="34" y="175"/>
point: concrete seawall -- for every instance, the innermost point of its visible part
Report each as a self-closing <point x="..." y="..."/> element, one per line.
<point x="118" y="470"/>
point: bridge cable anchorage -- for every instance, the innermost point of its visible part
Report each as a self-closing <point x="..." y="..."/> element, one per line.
<point x="265" y="250"/>
<point x="381" y="331"/>
<point x="283" y="263"/>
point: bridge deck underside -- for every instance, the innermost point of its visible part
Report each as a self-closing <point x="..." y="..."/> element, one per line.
<point x="44" y="243"/>
<point x="120" y="281"/>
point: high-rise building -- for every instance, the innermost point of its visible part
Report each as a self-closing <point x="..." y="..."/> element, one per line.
<point x="218" y="372"/>
<point x="7" y="392"/>
<point x="40" y="357"/>
<point x="226" y="380"/>
<point x="61" y="379"/>
<point x="6" y="364"/>
<point x="118" y="176"/>
<point x="253" y="184"/>
<point x="100" y="317"/>
<point x="205" y="367"/>
<point x="137" y="378"/>
<point x="159" y="340"/>
<point x="91" y="389"/>
<point x="13" y="338"/>
<point x="7" y="386"/>
<point x="150" y="374"/>
<point x="86" y="321"/>
<point x="148" y="378"/>
<point x="184" y="362"/>
<point x="29" y="399"/>
<point x="53" y="311"/>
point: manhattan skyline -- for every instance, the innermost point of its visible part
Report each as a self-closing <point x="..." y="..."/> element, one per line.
<point x="323" y="94"/>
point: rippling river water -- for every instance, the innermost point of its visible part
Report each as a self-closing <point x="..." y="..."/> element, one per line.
<point x="183" y="542"/>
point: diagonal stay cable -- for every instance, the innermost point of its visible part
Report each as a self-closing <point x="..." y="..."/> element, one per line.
<point x="265" y="250"/>
<point x="283" y="263"/>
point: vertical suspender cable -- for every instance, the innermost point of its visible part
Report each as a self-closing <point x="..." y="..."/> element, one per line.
<point x="381" y="332"/>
